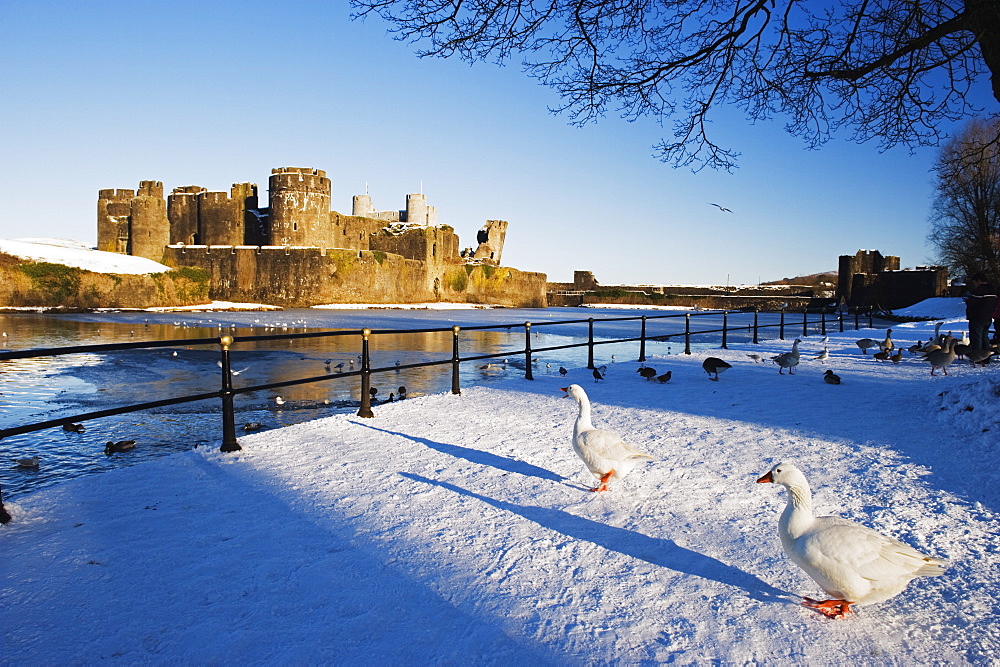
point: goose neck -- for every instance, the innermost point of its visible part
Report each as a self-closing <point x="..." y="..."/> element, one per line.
<point x="798" y="514"/>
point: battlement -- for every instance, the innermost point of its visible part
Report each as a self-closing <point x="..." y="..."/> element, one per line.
<point x="113" y="194"/>
<point x="188" y="190"/>
<point x="299" y="170"/>
<point x="150" y="189"/>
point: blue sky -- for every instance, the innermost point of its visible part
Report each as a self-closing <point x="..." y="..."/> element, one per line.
<point x="105" y="94"/>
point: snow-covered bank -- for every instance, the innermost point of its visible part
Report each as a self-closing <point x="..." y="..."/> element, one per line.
<point x="458" y="529"/>
<point x="74" y="253"/>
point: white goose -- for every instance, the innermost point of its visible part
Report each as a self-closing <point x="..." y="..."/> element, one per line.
<point x="604" y="453"/>
<point x="851" y="562"/>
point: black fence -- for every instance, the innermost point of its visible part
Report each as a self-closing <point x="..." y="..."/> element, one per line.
<point x="227" y="391"/>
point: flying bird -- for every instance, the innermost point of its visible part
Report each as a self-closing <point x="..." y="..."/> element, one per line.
<point x="851" y="562"/>
<point x="720" y="207"/>
<point x="604" y="452"/>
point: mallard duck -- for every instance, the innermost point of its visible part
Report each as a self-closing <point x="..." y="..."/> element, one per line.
<point x="980" y="356"/>
<point x="646" y="372"/>
<point x="852" y="563"/>
<point x="119" y="447"/>
<point x="665" y="377"/>
<point x="714" y="365"/>
<point x="27" y="462"/>
<point x="74" y="428"/>
<point x="830" y="377"/>
<point x="604" y="452"/>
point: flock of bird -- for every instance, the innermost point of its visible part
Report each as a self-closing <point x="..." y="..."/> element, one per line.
<point x="852" y="563"/>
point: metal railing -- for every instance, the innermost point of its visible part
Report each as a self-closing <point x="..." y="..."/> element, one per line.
<point x="227" y="391"/>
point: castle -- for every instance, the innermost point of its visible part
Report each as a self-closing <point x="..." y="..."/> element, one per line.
<point x="297" y="252"/>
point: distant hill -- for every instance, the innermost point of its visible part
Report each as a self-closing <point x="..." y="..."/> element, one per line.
<point x="825" y="280"/>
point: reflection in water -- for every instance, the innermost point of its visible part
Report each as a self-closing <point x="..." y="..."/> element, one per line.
<point x="49" y="388"/>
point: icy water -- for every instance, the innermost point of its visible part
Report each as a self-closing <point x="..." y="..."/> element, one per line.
<point x="33" y="390"/>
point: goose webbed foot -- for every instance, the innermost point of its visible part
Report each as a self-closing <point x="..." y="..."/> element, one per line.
<point x="829" y="608"/>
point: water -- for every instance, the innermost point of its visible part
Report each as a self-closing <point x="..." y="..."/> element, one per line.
<point x="34" y="390"/>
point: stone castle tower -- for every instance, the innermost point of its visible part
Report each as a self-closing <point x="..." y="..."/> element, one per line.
<point x="298" y="216"/>
<point x="133" y="222"/>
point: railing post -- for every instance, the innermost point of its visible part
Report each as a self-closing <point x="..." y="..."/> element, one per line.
<point x="822" y="321"/>
<point x="857" y="325"/>
<point x="724" y="329"/>
<point x="840" y="316"/>
<point x="366" y="377"/>
<point x="871" y="309"/>
<point x="590" y="344"/>
<point x="687" y="333"/>
<point x="229" y="443"/>
<point x="755" y="327"/>
<point x="805" y="322"/>
<point x="455" y="387"/>
<point x="781" y="326"/>
<point x="642" y="340"/>
<point x="527" y="351"/>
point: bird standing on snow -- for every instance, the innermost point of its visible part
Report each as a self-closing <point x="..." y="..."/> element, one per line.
<point x="865" y="344"/>
<point x="562" y="371"/>
<point x="830" y="377"/>
<point x="942" y="357"/>
<point x="852" y="563"/>
<point x="823" y="356"/>
<point x="598" y="375"/>
<point x="788" y="360"/>
<point x="646" y="372"/>
<point x="604" y="453"/>
<point x="714" y="365"/>
<point x="664" y="378"/>
<point x="756" y="358"/>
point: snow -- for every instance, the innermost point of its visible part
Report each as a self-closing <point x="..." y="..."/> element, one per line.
<point x="459" y="529"/>
<point x="74" y="253"/>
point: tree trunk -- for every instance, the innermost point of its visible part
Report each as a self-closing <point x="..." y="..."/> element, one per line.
<point x="983" y="19"/>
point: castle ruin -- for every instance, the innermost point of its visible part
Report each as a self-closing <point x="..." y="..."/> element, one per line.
<point x="298" y="252"/>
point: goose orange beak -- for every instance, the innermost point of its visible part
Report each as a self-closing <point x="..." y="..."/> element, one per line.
<point x="766" y="478"/>
<point x="566" y="389"/>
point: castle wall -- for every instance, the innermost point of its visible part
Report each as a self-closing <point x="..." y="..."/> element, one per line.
<point x="435" y="245"/>
<point x="353" y="232"/>
<point x="311" y="276"/>
<point x="300" y="207"/>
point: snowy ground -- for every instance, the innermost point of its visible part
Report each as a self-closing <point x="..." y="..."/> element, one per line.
<point x="458" y="529"/>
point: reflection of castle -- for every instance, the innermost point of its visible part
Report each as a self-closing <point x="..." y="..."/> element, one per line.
<point x="297" y="251"/>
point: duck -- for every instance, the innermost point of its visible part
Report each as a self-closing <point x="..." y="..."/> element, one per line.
<point x="865" y="344"/>
<point x="27" y="462"/>
<point x="942" y="357"/>
<point x="402" y="392"/>
<point x="252" y="426"/>
<point x="897" y="356"/>
<point x="646" y="372"/>
<point x="887" y="345"/>
<point x="664" y="378"/>
<point x="714" y="365"/>
<point x="788" y="360"/>
<point x="604" y="452"/>
<point x="881" y="355"/>
<point x="74" y="428"/>
<point x="980" y="356"/>
<point x="279" y="400"/>
<point x="119" y="447"/>
<point x="830" y="377"/>
<point x="562" y="370"/>
<point x="851" y="562"/>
